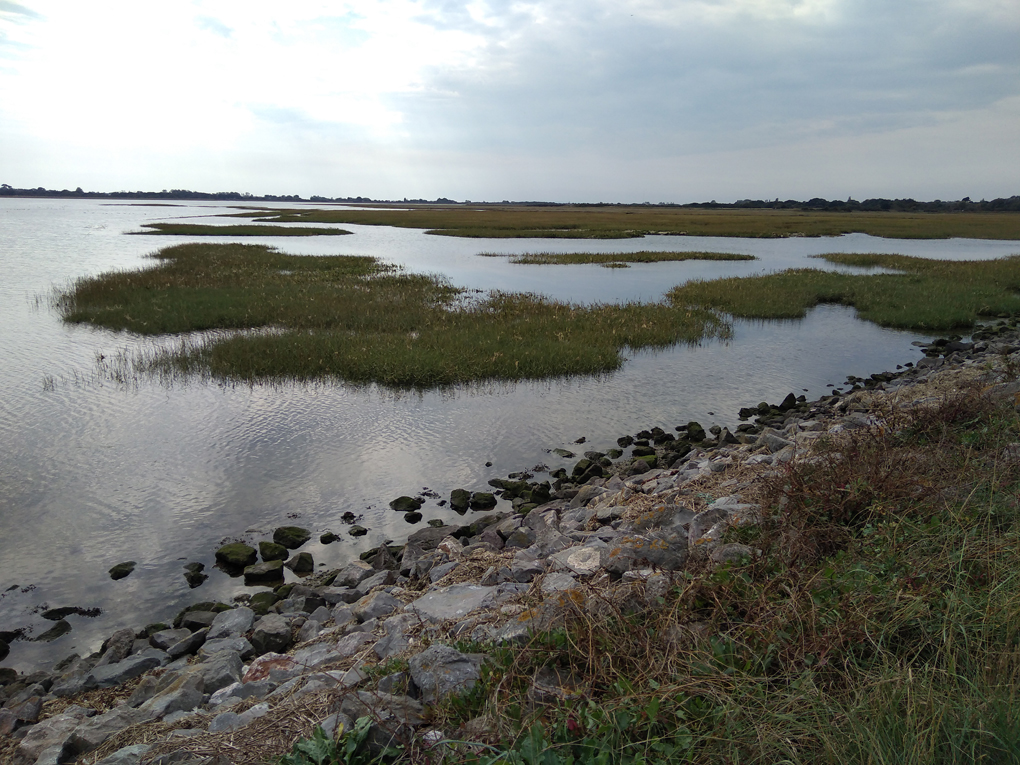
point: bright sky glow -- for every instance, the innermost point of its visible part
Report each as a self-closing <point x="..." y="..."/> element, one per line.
<point x="563" y="100"/>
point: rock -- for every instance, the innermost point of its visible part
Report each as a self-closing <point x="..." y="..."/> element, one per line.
<point x="93" y="732"/>
<point x="405" y="504"/>
<point x="188" y="645"/>
<point x="557" y="582"/>
<point x="453" y="602"/>
<point x="375" y="605"/>
<point x="395" y="716"/>
<point x="197" y="620"/>
<point x="129" y="755"/>
<point x="272" y="551"/>
<point x="328" y="538"/>
<point x="122" y="570"/>
<point x="482" y="500"/>
<point x="731" y="553"/>
<point x="52" y="733"/>
<point x="357" y="531"/>
<point x="291" y="537"/>
<point x="59" y="629"/>
<point x="440" y="670"/>
<point x="302" y="563"/>
<point x="236" y="555"/>
<point x="264" y="573"/>
<point x="114" y="674"/>
<point x="773" y="441"/>
<point x="261" y="601"/>
<point x="460" y="499"/>
<point x="695" y="432"/>
<point x="193" y="574"/>
<point x="413" y="517"/>
<point x="231" y="623"/>
<point x="219" y="670"/>
<point x="353" y="643"/>
<point x="238" y="645"/>
<point x="117" y="647"/>
<point x="272" y="633"/>
<point x="309" y="631"/>
<point x="636" y="551"/>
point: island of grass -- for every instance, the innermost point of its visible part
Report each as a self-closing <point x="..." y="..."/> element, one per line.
<point x="356" y="319"/>
<point x="927" y="295"/>
<point x="621" y="222"/>
<point x="614" y="259"/>
<point x="198" y="229"/>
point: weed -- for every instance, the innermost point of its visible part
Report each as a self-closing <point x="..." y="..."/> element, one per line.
<point x="197" y="229"/>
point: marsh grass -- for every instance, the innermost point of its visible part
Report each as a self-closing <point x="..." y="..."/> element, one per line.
<point x="614" y="259"/>
<point x="880" y="623"/>
<point x="568" y="222"/>
<point x="355" y="319"/>
<point x="929" y="295"/>
<point x="198" y="229"/>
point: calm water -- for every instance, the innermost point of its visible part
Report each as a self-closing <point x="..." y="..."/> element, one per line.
<point x="93" y="473"/>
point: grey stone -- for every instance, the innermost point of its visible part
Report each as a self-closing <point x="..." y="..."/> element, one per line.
<point x="322" y="614"/>
<point x="659" y="549"/>
<point x="272" y="633"/>
<point x="238" y="645"/>
<point x="731" y="553"/>
<point x="225" y="721"/>
<point x="375" y="605"/>
<point x="773" y="441"/>
<point x="220" y="670"/>
<point x="118" y="647"/>
<point x="129" y="755"/>
<point x="52" y="733"/>
<point x="188" y="645"/>
<point x="582" y="560"/>
<point x="335" y="723"/>
<point x="185" y="694"/>
<point x="557" y="582"/>
<point x="452" y="602"/>
<point x="309" y="630"/>
<point x="114" y="674"/>
<point x="342" y="616"/>
<point x="440" y="670"/>
<point x="166" y="638"/>
<point x="383" y="706"/>
<point x="197" y="620"/>
<point x="378" y="579"/>
<point x="351" y="644"/>
<point x="353" y="574"/>
<point x="95" y="731"/>
<point x="438" y="572"/>
<point x="231" y="623"/>
<point x="335" y="596"/>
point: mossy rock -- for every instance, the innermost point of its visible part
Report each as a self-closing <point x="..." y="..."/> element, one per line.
<point x="302" y="563"/>
<point x="264" y="573"/>
<point x="412" y="517"/>
<point x="291" y="537"/>
<point x="152" y="629"/>
<point x="644" y="451"/>
<point x="236" y="555"/>
<point x="650" y="460"/>
<point x="406" y="504"/>
<point x="283" y="590"/>
<point x="482" y="500"/>
<point x="357" y="531"/>
<point x="526" y="508"/>
<point x="260" y="602"/>
<point x="540" y="493"/>
<point x="122" y="570"/>
<point x="614" y="454"/>
<point x="272" y="551"/>
<point x="695" y="432"/>
<point x="460" y="499"/>
<point x="328" y="538"/>
<point x="436" y="523"/>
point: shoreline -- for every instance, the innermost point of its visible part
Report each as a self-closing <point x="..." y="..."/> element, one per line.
<point x="574" y="539"/>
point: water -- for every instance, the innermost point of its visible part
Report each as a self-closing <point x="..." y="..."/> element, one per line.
<point x="93" y="473"/>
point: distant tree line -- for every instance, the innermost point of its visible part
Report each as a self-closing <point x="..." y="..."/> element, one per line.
<point x="1009" y="204"/>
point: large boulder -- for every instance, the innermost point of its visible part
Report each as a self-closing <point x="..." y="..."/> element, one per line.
<point x="236" y="555"/>
<point x="272" y="633"/>
<point x="440" y="670"/>
<point x="231" y="623"/>
<point x="291" y="537"/>
<point x="272" y="551"/>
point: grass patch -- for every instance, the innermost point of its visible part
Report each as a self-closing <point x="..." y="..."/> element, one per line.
<point x="356" y="319"/>
<point x="198" y="229"/>
<point x="879" y="624"/>
<point x="616" y="222"/>
<point x="614" y="259"/>
<point x="930" y="295"/>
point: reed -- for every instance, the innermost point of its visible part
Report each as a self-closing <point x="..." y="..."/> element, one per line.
<point x="198" y="229"/>
<point x="614" y="259"/>
<point x="930" y="295"/>
<point x="615" y="222"/>
<point x="355" y="319"/>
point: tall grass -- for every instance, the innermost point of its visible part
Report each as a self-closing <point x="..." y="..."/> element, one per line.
<point x="614" y="258"/>
<point x="355" y="319"/>
<point x="929" y="295"/>
<point x="880" y="622"/>
<point x="569" y="222"/>
<point x="198" y="229"/>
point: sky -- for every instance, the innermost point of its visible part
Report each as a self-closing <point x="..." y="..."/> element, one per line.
<point x="491" y="100"/>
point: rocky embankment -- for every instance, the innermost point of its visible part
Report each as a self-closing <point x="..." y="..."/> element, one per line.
<point x="239" y="683"/>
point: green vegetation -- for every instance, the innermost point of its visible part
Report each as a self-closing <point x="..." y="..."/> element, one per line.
<point x="929" y="295"/>
<point x="614" y="259"/>
<point x="565" y="221"/>
<point x="879" y="624"/>
<point x="197" y="229"/>
<point x="355" y="319"/>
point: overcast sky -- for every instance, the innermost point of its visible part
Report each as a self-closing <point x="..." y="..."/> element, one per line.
<point x="560" y="100"/>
